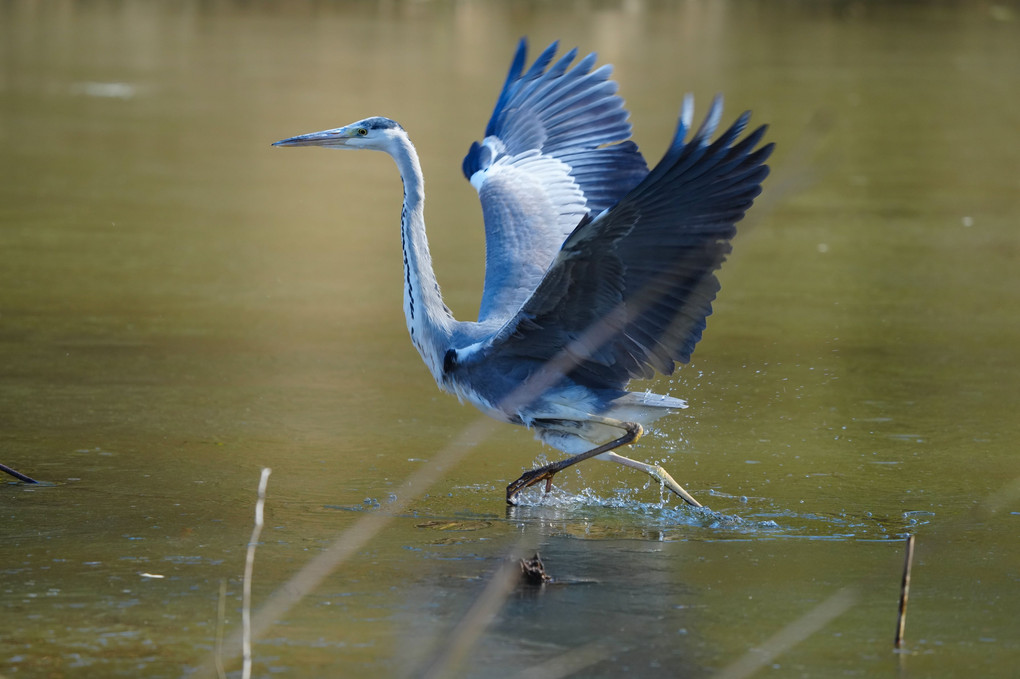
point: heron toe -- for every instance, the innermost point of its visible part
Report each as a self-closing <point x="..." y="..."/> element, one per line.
<point x="527" y="479"/>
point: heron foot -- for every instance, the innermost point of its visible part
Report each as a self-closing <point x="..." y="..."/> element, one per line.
<point x="657" y="473"/>
<point x="528" y="479"/>
<point x="665" y="479"/>
<point x="632" y="433"/>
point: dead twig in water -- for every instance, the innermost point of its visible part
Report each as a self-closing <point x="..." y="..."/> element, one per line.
<point x="221" y="620"/>
<point x="908" y="562"/>
<point x="533" y="571"/>
<point x="249" y="567"/>
<point x="16" y="474"/>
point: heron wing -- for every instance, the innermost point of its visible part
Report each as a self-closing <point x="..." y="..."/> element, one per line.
<point x="630" y="290"/>
<point x="556" y="149"/>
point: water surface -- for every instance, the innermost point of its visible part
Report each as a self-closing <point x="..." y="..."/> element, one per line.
<point x="181" y="305"/>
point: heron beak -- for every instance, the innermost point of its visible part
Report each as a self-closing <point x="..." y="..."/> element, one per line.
<point x="327" y="138"/>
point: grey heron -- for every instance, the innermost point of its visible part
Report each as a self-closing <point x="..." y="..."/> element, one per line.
<point x="597" y="269"/>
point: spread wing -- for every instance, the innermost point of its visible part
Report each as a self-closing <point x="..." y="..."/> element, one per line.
<point x="555" y="150"/>
<point x="630" y="290"/>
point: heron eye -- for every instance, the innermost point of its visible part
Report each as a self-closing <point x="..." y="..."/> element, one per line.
<point x="362" y="131"/>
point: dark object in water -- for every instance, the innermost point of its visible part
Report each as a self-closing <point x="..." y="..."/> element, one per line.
<point x="533" y="571"/>
<point x="901" y="619"/>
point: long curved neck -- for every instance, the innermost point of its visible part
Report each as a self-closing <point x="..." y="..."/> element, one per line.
<point x="429" y="320"/>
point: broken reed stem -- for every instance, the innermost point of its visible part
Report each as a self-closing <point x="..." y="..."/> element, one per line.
<point x="16" y="474"/>
<point x="249" y="566"/>
<point x="901" y="620"/>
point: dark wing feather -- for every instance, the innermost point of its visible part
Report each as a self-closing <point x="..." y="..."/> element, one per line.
<point x="568" y="112"/>
<point x="556" y="149"/>
<point x="629" y="292"/>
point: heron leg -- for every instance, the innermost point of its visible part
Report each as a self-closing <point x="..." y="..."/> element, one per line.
<point x="632" y="430"/>
<point x="657" y="473"/>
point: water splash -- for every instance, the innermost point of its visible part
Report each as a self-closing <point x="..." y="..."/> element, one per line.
<point x="623" y="513"/>
<point x="593" y="515"/>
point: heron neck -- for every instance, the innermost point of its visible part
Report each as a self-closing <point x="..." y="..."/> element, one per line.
<point x="429" y="320"/>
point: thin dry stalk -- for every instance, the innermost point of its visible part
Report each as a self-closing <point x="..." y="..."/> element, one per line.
<point x="354" y="538"/>
<point x="791" y="635"/>
<point x="221" y="620"/>
<point x="475" y="621"/>
<point x="901" y="620"/>
<point x="1000" y="498"/>
<point x="568" y="663"/>
<point x="249" y="567"/>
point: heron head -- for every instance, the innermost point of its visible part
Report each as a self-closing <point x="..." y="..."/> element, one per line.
<point x="370" y="133"/>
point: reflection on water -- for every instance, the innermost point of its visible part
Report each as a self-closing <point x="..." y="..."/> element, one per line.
<point x="181" y="305"/>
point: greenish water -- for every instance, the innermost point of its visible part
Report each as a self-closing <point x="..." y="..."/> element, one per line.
<point x="181" y="305"/>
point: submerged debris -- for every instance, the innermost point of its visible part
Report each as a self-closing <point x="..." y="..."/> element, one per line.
<point x="533" y="571"/>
